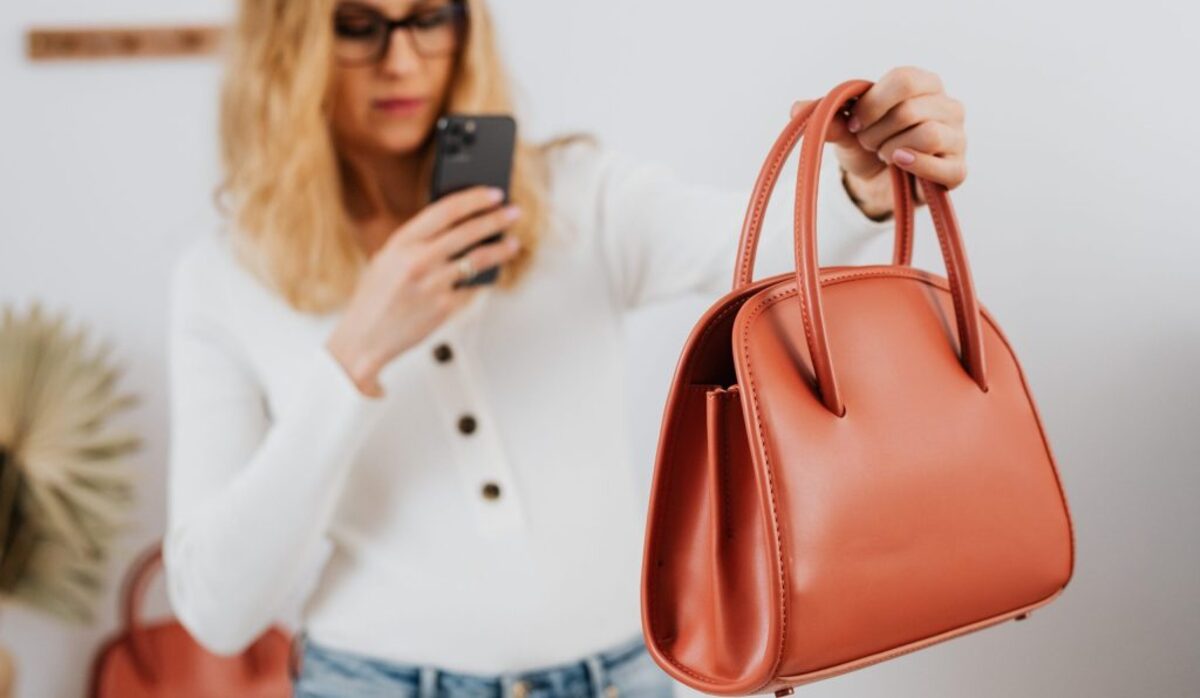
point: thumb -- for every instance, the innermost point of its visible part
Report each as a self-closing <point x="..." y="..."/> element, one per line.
<point x="838" y="133"/>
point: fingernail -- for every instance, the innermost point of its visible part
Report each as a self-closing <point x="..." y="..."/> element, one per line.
<point x="496" y="193"/>
<point x="514" y="243"/>
<point x="903" y="157"/>
<point x="854" y="124"/>
<point x="512" y="212"/>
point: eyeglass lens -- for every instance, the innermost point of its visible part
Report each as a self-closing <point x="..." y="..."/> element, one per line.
<point x="362" y="33"/>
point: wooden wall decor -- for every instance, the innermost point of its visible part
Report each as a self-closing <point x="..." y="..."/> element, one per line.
<point x="87" y="43"/>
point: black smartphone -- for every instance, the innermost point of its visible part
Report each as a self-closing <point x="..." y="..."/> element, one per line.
<point x="473" y="149"/>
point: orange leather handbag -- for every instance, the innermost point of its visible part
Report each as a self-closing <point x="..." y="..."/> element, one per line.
<point x="163" y="660"/>
<point x="850" y="463"/>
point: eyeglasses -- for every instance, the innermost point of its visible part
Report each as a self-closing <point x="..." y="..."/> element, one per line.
<point x="362" y="34"/>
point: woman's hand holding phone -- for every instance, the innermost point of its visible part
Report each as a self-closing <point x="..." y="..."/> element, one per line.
<point x="407" y="288"/>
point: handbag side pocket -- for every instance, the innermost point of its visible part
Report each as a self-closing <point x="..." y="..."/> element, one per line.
<point x="709" y="595"/>
<point x="736" y="532"/>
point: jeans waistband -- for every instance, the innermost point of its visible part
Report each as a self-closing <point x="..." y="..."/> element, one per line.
<point x="590" y="670"/>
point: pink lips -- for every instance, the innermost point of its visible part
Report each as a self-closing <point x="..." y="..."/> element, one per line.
<point x="398" y="106"/>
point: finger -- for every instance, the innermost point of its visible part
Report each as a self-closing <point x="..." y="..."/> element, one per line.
<point x="910" y="112"/>
<point x="893" y="88"/>
<point x="948" y="170"/>
<point x="482" y="257"/>
<point x="466" y="234"/>
<point x="837" y="130"/>
<point x="931" y="137"/>
<point x="446" y="211"/>
<point x="854" y="158"/>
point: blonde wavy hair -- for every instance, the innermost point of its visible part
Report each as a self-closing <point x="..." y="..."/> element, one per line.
<point x="282" y="186"/>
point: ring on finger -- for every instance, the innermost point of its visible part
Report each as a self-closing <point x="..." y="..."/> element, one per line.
<point x="466" y="268"/>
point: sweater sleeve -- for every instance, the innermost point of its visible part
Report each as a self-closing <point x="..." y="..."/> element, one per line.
<point x="249" y="494"/>
<point x="661" y="236"/>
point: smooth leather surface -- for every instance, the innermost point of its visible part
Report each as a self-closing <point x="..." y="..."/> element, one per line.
<point x="162" y="659"/>
<point x="806" y="521"/>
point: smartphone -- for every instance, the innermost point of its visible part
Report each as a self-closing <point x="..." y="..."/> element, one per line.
<point x="469" y="150"/>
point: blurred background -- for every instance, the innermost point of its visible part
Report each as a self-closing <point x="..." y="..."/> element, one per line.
<point x="1079" y="215"/>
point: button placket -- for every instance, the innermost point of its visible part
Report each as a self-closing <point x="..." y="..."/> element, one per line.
<point x="479" y="458"/>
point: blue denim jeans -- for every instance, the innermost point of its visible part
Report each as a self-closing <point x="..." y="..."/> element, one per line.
<point x="625" y="670"/>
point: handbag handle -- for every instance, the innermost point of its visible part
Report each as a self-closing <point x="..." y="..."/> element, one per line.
<point x="141" y="648"/>
<point x="768" y="175"/>
<point x="966" y="307"/>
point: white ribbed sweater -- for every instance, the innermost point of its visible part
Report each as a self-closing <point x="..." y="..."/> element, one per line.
<point x="278" y="466"/>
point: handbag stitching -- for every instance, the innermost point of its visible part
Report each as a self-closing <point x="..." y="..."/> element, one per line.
<point x="778" y="157"/>
<point x="909" y="213"/>
<point x="778" y="534"/>
<point x="939" y="225"/>
<point x="756" y="216"/>
<point x="804" y="305"/>
<point x="723" y="466"/>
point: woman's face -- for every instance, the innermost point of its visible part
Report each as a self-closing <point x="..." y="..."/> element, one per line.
<point x="389" y="83"/>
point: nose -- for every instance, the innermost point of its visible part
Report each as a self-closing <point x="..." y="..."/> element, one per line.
<point x="401" y="56"/>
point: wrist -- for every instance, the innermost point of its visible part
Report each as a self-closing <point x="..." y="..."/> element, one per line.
<point x="358" y="365"/>
<point x="872" y="196"/>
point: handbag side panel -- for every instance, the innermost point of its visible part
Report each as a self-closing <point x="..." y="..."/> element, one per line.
<point x="709" y="574"/>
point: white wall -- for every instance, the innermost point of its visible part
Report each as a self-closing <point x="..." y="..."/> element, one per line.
<point x="1078" y="212"/>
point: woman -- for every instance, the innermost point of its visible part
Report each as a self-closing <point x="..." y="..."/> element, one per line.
<point x="451" y="458"/>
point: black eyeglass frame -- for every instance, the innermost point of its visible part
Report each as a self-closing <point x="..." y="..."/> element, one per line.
<point x="457" y="8"/>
